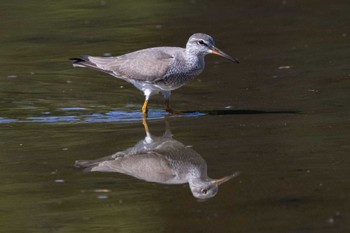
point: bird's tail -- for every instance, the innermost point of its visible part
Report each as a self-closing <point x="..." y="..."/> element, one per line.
<point x="88" y="165"/>
<point x="96" y="63"/>
<point x="82" y="61"/>
<point x="101" y="164"/>
<point x="84" y="163"/>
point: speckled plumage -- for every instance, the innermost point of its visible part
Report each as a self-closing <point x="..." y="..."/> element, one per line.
<point x="159" y="69"/>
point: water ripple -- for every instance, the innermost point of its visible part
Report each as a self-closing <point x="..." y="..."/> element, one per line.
<point x="80" y="116"/>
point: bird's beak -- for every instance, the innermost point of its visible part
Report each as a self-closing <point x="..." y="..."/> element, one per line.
<point x="217" y="51"/>
<point x="226" y="178"/>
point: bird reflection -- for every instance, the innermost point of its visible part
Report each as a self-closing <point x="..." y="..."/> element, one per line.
<point x="162" y="160"/>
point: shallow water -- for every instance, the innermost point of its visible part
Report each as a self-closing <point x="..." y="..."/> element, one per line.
<point x="281" y="117"/>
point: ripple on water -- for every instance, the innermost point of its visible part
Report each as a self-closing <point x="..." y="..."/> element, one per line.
<point x="80" y="116"/>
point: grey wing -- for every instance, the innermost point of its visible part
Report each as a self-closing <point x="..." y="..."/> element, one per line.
<point x="145" y="65"/>
<point x="151" y="167"/>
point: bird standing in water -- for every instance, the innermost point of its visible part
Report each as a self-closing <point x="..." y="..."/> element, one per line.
<point x="159" y="69"/>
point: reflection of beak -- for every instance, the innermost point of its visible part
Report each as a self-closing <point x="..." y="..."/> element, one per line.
<point x="226" y="178"/>
<point x="217" y="51"/>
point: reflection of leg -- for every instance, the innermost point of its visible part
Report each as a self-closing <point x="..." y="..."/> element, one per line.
<point x="167" y="105"/>
<point x="148" y="137"/>
<point x="145" y="124"/>
<point x="167" y="132"/>
<point x="145" y="108"/>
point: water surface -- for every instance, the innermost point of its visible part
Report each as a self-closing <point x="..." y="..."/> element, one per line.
<point x="281" y="117"/>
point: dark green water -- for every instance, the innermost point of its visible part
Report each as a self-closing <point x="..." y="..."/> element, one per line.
<point x="293" y="152"/>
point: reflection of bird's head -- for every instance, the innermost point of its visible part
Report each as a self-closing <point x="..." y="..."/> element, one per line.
<point x="204" y="189"/>
<point x="207" y="188"/>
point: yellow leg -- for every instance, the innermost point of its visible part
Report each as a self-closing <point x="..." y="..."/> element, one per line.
<point x="145" y="108"/>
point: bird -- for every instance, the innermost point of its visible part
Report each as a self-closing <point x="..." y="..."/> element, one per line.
<point x="160" y="160"/>
<point x="157" y="69"/>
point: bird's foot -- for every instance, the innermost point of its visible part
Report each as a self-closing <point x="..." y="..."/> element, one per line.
<point x="172" y="111"/>
<point x="169" y="109"/>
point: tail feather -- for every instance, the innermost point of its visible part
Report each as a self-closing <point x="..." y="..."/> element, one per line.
<point x="88" y="165"/>
<point x="101" y="163"/>
<point x="84" y="163"/>
<point x="84" y="61"/>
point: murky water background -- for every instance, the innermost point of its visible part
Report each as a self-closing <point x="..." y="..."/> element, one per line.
<point x="293" y="152"/>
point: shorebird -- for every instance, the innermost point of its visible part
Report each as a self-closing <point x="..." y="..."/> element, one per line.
<point x="159" y="69"/>
<point x="161" y="160"/>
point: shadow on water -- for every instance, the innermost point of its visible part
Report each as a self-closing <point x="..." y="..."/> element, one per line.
<point x="239" y="112"/>
<point x="161" y="160"/>
<point x="81" y="115"/>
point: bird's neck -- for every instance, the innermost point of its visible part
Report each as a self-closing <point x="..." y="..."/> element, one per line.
<point x="194" y="60"/>
<point x="196" y="181"/>
<point x="197" y="173"/>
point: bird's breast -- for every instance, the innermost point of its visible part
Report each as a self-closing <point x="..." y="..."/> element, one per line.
<point x="182" y="72"/>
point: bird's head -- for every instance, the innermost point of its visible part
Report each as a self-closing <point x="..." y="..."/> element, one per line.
<point x="200" y="43"/>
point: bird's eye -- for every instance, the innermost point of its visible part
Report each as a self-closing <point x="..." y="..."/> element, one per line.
<point x="201" y="42"/>
<point x="205" y="191"/>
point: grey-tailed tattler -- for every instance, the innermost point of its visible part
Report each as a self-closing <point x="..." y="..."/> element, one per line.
<point x="159" y="69"/>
